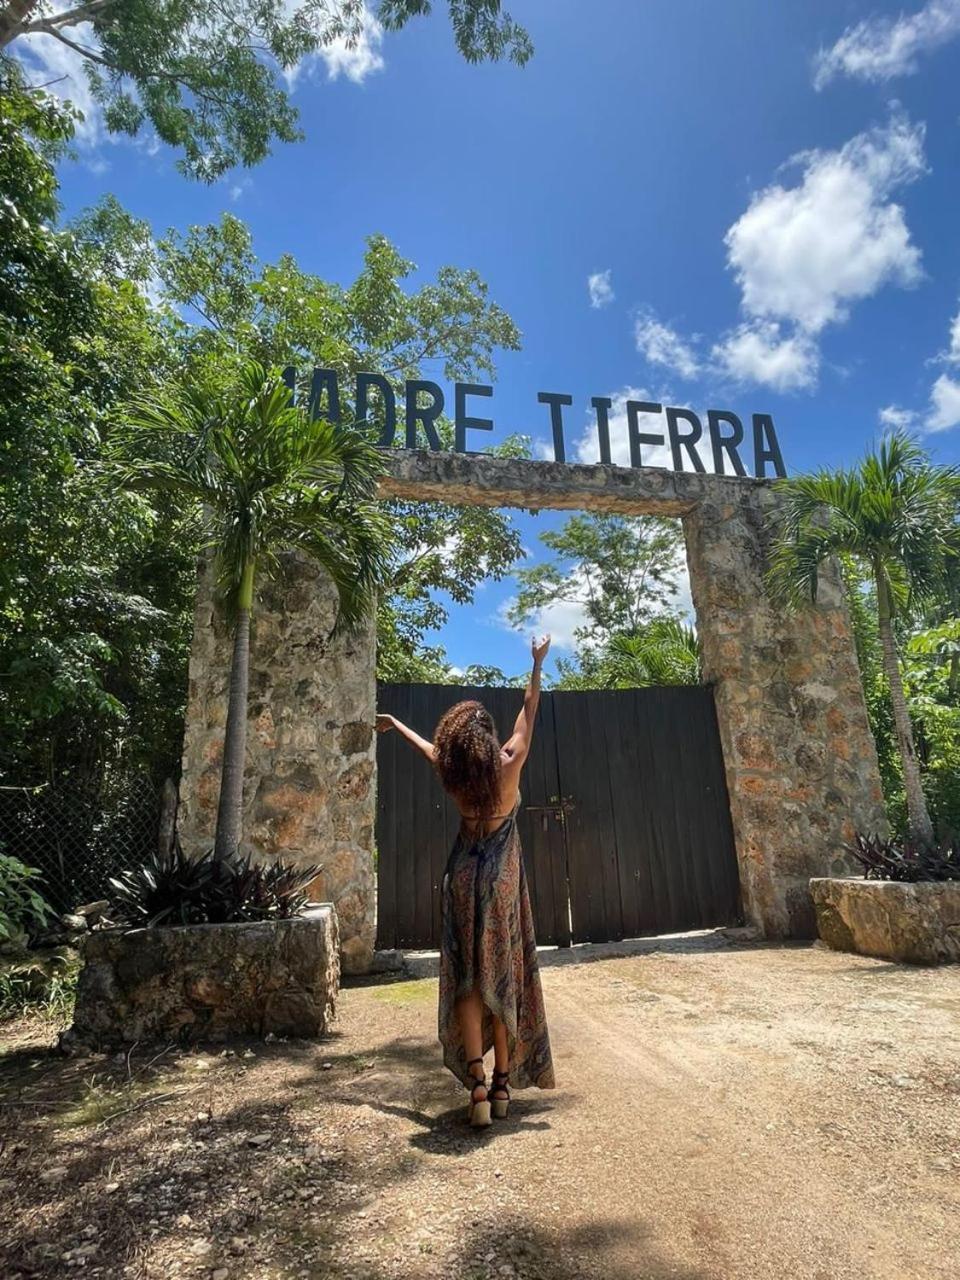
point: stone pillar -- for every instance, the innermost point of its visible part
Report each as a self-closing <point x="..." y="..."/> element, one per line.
<point x="800" y="759"/>
<point x="309" y="791"/>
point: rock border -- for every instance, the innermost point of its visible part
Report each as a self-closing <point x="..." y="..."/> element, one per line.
<point x="889" y="919"/>
<point x="209" y="982"/>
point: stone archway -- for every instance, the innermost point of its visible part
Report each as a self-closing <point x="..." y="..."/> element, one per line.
<point x="799" y="757"/>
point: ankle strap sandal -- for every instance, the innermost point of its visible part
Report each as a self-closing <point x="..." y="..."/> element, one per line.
<point x="479" y="1112"/>
<point x="501" y="1084"/>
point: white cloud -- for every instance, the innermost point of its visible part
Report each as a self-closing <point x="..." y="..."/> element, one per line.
<point x="758" y="352"/>
<point x="880" y="48"/>
<point x="587" y="447"/>
<point x="896" y="418"/>
<point x="660" y="344"/>
<point x="804" y="253"/>
<point x="600" y="289"/>
<point x="944" y="404"/>
<point x="355" y="61"/>
<point x="944" y="411"/>
<point x="952" y="354"/>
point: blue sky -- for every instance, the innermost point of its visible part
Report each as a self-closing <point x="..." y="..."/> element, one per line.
<point x="766" y="195"/>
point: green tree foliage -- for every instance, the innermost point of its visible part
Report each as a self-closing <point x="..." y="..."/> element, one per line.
<point x="895" y="517"/>
<point x="208" y="76"/>
<point x="94" y="590"/>
<point x="488" y="677"/>
<point x="23" y="910"/>
<point x="622" y="572"/>
<point x="663" y="652"/>
<point x="268" y="479"/>
<point x="928" y="664"/>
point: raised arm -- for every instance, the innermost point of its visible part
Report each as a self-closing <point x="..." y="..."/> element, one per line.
<point x="517" y="747"/>
<point x="386" y="723"/>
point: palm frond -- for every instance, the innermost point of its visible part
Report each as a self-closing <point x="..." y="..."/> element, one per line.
<point x="896" y="511"/>
<point x="268" y="479"/>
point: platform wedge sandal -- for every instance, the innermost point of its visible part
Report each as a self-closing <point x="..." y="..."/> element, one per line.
<point x="479" y="1113"/>
<point x="500" y="1084"/>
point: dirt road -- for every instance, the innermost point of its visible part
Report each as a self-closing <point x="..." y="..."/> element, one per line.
<point x="722" y="1113"/>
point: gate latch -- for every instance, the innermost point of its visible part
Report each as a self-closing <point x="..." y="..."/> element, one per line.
<point x="559" y="806"/>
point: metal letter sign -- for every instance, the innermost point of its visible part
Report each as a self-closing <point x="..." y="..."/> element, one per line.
<point x="424" y="402"/>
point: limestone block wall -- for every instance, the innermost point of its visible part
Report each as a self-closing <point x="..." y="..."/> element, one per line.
<point x="308" y="791"/>
<point x="800" y="759"/>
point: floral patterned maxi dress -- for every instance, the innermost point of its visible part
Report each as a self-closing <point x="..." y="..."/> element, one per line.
<point x="488" y="942"/>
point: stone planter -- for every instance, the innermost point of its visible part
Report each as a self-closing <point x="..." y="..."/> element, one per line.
<point x="916" y="923"/>
<point x="209" y="981"/>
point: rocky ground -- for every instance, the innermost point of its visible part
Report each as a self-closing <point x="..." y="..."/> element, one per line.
<point x="723" y="1111"/>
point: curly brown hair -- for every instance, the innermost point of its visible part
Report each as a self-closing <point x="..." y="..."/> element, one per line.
<point x="466" y="754"/>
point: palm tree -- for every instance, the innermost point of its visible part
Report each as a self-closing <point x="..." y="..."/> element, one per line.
<point x="664" y="652"/>
<point x="896" y="514"/>
<point x="268" y="480"/>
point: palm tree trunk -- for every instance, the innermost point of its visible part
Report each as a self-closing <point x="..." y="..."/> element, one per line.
<point x="230" y="808"/>
<point x="918" y="815"/>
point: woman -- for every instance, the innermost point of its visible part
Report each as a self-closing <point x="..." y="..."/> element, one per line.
<point x="489" y="981"/>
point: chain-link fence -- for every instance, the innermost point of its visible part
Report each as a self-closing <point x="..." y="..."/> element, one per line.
<point x="80" y="835"/>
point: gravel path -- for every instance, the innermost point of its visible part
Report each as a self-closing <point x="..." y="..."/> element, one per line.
<point x="723" y="1112"/>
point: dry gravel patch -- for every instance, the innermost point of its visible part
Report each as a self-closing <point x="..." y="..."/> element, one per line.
<point x="722" y="1112"/>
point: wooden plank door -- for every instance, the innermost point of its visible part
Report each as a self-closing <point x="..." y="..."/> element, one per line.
<point x="649" y="838"/>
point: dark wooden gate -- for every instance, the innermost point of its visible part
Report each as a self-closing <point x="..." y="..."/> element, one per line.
<point x="625" y="821"/>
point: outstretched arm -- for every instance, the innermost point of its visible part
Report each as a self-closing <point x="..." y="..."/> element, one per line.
<point x="386" y="723"/>
<point x="518" y="746"/>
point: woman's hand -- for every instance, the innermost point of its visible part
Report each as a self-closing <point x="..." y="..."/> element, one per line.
<point x="385" y="723"/>
<point x="539" y="649"/>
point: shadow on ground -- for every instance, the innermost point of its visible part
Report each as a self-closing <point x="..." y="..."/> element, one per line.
<point x="183" y="1165"/>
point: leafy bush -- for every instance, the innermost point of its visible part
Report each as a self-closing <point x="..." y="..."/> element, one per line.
<point x="174" y="889"/>
<point x="906" y="859"/>
<point x="44" y="983"/>
<point x="22" y="909"/>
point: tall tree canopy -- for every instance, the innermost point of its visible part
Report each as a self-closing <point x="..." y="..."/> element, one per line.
<point x="621" y="573"/>
<point x="209" y="75"/>
<point x="93" y="590"/>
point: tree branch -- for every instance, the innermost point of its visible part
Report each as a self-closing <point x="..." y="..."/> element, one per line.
<point x="70" y="18"/>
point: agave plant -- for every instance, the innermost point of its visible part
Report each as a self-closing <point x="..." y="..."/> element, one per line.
<point x="168" y="889"/>
<point x="246" y="890"/>
<point x="908" y="860"/>
<point x="173" y="889"/>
